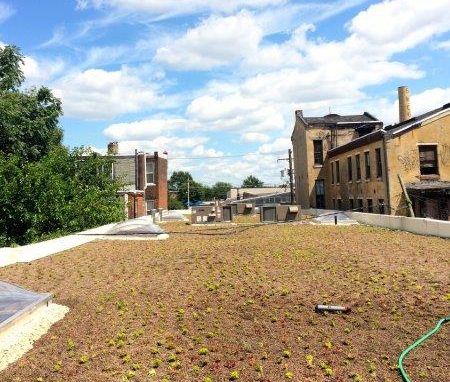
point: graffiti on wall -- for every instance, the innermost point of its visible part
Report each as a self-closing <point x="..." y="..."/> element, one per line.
<point x="409" y="160"/>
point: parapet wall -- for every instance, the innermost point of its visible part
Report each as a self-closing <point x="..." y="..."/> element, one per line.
<point x="421" y="226"/>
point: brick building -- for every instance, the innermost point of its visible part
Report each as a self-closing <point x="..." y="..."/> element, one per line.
<point x="378" y="170"/>
<point x="144" y="177"/>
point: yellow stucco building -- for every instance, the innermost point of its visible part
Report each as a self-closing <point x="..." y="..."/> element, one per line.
<point x="363" y="166"/>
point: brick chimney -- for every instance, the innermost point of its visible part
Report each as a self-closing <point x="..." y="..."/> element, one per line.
<point x="404" y="106"/>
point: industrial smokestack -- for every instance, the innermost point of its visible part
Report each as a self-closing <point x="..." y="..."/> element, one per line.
<point x="404" y="106"/>
<point x="113" y="148"/>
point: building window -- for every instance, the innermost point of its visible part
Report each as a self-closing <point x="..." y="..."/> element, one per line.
<point x="349" y="169"/>
<point x="358" y="167"/>
<point x="369" y="206"/>
<point x="360" y="205"/>
<point x="332" y="172"/>
<point x="318" y="152"/>
<point x="338" y="173"/>
<point x="381" y="206"/>
<point x="428" y="160"/>
<point x="379" y="164"/>
<point x="367" y="164"/>
<point x="320" y="193"/>
<point x="150" y="171"/>
<point x="334" y="204"/>
<point x="339" y="204"/>
<point x="149" y="205"/>
<point x="352" y="204"/>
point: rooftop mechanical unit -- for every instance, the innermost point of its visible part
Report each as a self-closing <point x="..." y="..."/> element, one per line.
<point x="279" y="213"/>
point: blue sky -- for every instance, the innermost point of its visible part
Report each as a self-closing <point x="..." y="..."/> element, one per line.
<point x="211" y="79"/>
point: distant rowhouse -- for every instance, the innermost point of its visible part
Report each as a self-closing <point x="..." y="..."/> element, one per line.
<point x="144" y="177"/>
<point x="377" y="168"/>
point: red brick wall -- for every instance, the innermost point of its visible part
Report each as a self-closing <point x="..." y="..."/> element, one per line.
<point x="161" y="183"/>
<point x="138" y="201"/>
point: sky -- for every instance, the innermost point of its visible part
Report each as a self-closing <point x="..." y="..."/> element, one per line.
<point x="216" y="83"/>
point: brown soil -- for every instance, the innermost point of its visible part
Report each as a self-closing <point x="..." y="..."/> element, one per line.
<point x="245" y="297"/>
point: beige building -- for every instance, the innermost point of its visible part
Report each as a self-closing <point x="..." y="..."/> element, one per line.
<point x="366" y="172"/>
<point x="312" y="139"/>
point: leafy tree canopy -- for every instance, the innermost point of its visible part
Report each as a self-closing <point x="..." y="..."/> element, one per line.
<point x="45" y="189"/>
<point x="178" y="179"/>
<point x="29" y="119"/>
<point x="252" y="181"/>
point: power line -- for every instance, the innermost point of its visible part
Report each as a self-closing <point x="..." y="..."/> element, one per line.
<point x="227" y="156"/>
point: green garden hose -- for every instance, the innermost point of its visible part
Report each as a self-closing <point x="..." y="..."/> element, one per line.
<point x="415" y="344"/>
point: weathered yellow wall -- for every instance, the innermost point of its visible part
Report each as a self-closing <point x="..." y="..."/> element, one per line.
<point x="403" y="156"/>
<point x="373" y="188"/>
<point x="306" y="172"/>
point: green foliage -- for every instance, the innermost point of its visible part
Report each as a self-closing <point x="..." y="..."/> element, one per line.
<point x="28" y="120"/>
<point x="11" y="74"/>
<point x="175" y="204"/>
<point x="46" y="190"/>
<point x="220" y="189"/>
<point x="197" y="191"/>
<point x="64" y="192"/>
<point x="252" y="181"/>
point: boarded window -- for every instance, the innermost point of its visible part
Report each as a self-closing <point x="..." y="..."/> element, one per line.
<point x="332" y="172"/>
<point x="358" y="167"/>
<point x="367" y="164"/>
<point x="352" y="204"/>
<point x="428" y="160"/>
<point x="369" y="205"/>
<point x="339" y="204"/>
<point x="349" y="169"/>
<point x="318" y="152"/>
<point x="379" y="164"/>
<point x="360" y="205"/>
<point x="338" y="173"/>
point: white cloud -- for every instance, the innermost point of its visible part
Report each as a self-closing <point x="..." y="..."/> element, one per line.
<point x="216" y="41"/>
<point x="255" y="137"/>
<point x="201" y="151"/>
<point x="445" y="45"/>
<point x="395" y="26"/>
<point x="38" y="71"/>
<point x="144" y="129"/>
<point x="233" y="113"/>
<point x="6" y="11"/>
<point x="177" y="7"/>
<point x="98" y="93"/>
<point x="278" y="145"/>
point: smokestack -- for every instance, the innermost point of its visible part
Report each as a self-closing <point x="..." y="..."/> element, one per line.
<point x="404" y="106"/>
<point x="113" y="148"/>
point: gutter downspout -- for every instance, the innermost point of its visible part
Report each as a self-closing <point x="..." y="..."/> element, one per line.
<point x="386" y="173"/>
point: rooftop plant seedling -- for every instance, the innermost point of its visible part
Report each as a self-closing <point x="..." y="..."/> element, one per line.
<point x="234" y="375"/>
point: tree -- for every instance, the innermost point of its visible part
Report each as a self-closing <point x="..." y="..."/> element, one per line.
<point x="178" y="179"/>
<point x="28" y="120"/>
<point x="220" y="189"/>
<point x="66" y="191"/>
<point x="252" y="181"/>
<point x="45" y="189"/>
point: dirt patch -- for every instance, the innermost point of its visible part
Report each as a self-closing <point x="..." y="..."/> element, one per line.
<point x="238" y="302"/>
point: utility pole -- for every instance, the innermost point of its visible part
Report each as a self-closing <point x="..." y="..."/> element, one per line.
<point x="188" y="202"/>
<point x="291" y="175"/>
